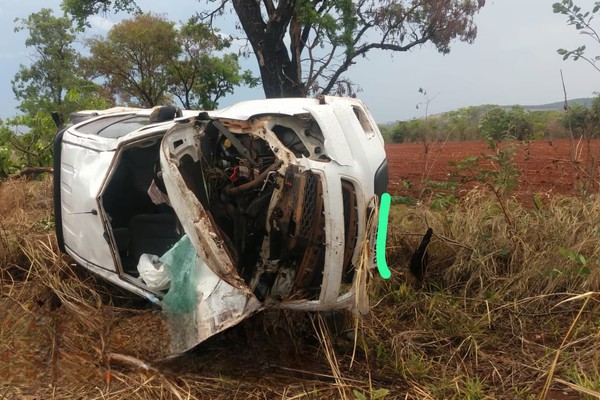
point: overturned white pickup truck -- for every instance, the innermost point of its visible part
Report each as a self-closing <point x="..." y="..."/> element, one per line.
<point x="217" y="215"/>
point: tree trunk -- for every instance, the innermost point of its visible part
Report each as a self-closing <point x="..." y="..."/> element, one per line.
<point x="280" y="77"/>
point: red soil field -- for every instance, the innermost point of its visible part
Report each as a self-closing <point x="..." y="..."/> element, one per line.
<point x="545" y="167"/>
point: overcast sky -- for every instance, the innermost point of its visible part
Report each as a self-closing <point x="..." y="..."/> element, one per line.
<point x="513" y="60"/>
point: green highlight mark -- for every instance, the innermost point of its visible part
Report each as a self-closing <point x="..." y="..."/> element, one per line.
<point x="384" y="212"/>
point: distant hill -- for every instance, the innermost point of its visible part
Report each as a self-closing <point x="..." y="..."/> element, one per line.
<point x="558" y="106"/>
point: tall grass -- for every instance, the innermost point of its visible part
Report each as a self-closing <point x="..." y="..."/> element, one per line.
<point x="492" y="320"/>
<point x="509" y="309"/>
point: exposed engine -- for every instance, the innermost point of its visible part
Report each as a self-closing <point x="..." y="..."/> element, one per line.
<point x="269" y="215"/>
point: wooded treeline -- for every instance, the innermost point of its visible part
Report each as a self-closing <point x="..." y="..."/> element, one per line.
<point x="499" y="123"/>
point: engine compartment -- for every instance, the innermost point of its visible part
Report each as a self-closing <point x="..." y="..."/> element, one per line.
<point x="268" y="209"/>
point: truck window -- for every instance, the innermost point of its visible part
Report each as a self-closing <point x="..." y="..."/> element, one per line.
<point x="114" y="126"/>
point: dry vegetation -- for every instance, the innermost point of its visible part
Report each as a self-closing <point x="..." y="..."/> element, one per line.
<point x="509" y="310"/>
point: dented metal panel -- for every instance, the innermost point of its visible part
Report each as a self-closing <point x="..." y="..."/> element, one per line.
<point x="273" y="195"/>
<point x="196" y="221"/>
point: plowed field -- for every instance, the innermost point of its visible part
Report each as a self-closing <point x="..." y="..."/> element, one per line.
<point x="545" y="167"/>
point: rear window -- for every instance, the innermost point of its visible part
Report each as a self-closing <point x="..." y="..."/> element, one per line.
<point x="363" y="120"/>
<point x="114" y="126"/>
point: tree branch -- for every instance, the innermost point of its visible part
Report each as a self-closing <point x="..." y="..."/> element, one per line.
<point x="363" y="50"/>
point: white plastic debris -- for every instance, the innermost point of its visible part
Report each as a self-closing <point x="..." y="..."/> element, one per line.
<point x="153" y="272"/>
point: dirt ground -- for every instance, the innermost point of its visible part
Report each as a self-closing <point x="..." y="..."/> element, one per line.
<point x="546" y="167"/>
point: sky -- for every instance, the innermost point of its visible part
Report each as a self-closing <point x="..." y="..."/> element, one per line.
<point x="512" y="61"/>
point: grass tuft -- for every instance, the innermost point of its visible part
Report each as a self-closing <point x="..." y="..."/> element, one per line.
<point x="509" y="309"/>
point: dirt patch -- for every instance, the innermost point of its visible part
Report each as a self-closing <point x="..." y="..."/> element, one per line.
<point x="546" y="167"/>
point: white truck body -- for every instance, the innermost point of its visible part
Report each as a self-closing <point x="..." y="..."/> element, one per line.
<point x="275" y="197"/>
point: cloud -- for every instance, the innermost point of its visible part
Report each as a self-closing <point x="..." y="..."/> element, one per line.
<point x="100" y="24"/>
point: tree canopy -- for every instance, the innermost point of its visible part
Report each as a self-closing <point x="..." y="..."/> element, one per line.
<point x="493" y="122"/>
<point x="82" y="9"/>
<point x="307" y="46"/>
<point x="52" y="83"/>
<point x="197" y="78"/>
<point x="43" y="85"/>
<point x="146" y="61"/>
<point x="133" y="59"/>
<point x="143" y="61"/>
<point x="583" y="121"/>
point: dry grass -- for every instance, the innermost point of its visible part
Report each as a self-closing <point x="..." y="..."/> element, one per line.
<point x="65" y="334"/>
<point x="493" y="320"/>
<point x="509" y="310"/>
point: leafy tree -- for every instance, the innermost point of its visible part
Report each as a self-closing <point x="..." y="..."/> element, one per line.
<point x="404" y="131"/>
<point x="7" y="162"/>
<point x="43" y="85"/>
<point x="495" y="124"/>
<point x="414" y="130"/>
<point x="306" y="46"/>
<point x="29" y="139"/>
<point x="463" y="124"/>
<point x="199" y="79"/>
<point x="218" y="77"/>
<point x="146" y="61"/>
<point x="490" y="121"/>
<point x="519" y="124"/>
<point x="80" y="8"/>
<point x="498" y="124"/>
<point x="133" y="59"/>
<point x="51" y="83"/>
<point x="582" y="21"/>
<point x="26" y="140"/>
<point x="546" y="124"/>
<point x="583" y="121"/>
